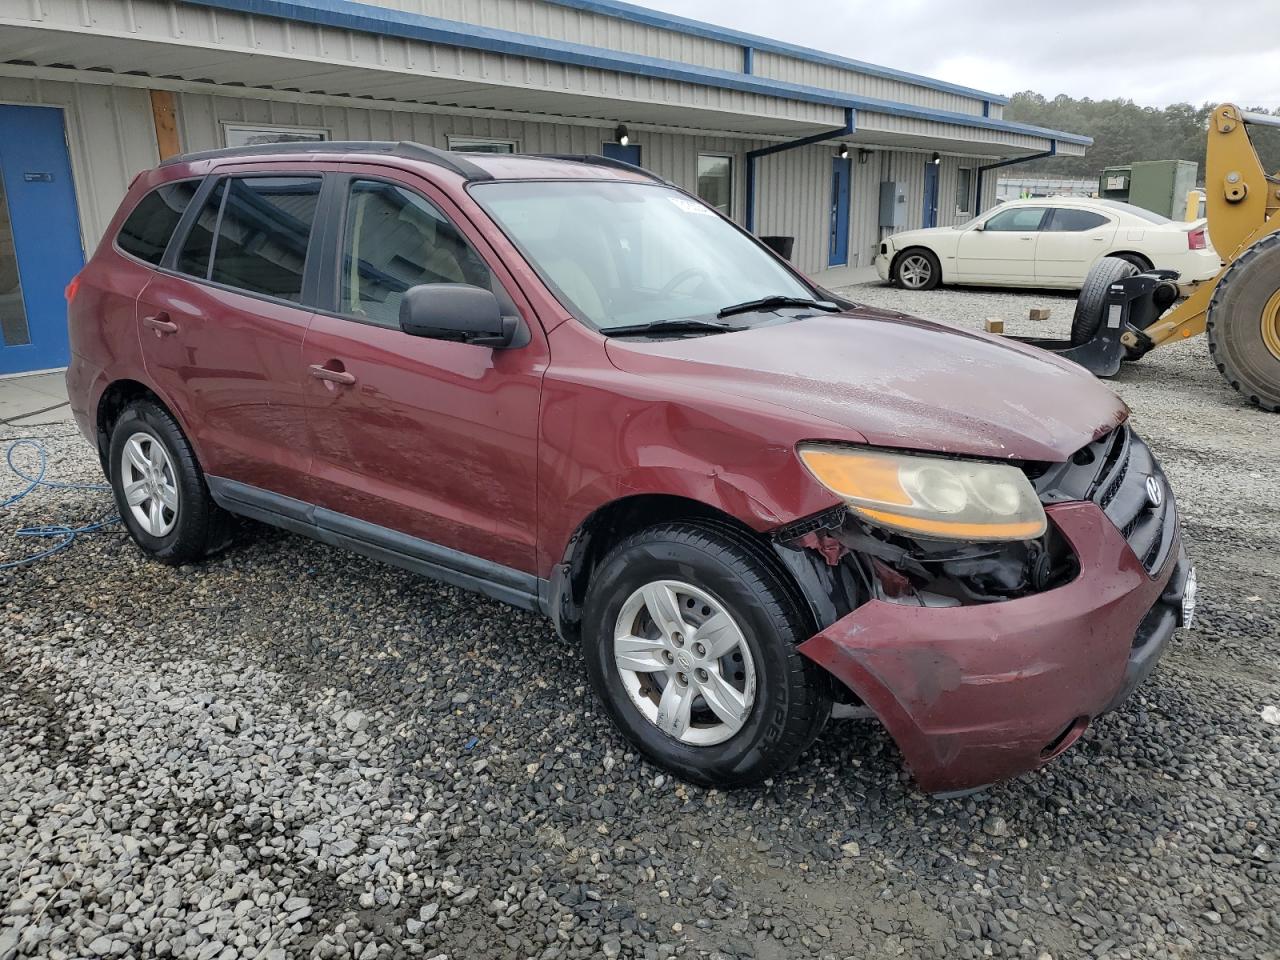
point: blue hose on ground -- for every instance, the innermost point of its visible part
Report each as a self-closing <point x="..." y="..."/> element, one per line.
<point x="66" y="533"/>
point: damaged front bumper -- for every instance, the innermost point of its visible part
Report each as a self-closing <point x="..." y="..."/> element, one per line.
<point x="977" y="693"/>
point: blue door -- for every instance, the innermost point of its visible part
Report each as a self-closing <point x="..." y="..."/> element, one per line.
<point x="628" y="154"/>
<point x="930" y="218"/>
<point x="40" y="248"/>
<point x="838" y="246"/>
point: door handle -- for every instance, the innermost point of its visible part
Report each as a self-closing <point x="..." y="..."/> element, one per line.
<point x="160" y="323"/>
<point x="324" y="372"/>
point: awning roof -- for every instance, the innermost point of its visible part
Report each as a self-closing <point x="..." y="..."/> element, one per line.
<point x="336" y="47"/>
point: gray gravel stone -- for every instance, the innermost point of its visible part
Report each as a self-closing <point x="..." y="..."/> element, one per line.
<point x="290" y="751"/>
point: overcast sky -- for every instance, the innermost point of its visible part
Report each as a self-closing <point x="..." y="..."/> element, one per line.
<point x="1155" y="52"/>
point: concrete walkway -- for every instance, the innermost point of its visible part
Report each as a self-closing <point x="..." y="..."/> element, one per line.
<point x="21" y="396"/>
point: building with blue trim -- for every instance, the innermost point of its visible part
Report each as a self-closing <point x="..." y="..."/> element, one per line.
<point x="831" y="151"/>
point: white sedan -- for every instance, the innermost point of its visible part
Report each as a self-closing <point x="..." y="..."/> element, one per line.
<point x="1046" y="242"/>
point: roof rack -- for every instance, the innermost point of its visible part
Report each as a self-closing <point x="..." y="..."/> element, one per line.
<point x="395" y="148"/>
<point x="597" y="160"/>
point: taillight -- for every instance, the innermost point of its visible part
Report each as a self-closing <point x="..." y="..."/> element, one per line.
<point x="1196" y="239"/>
<point x="72" y="288"/>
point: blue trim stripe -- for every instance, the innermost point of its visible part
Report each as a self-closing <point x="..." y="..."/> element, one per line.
<point x="348" y="15"/>
<point x="709" y="31"/>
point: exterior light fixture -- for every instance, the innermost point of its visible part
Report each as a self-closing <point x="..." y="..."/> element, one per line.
<point x="621" y="135"/>
<point x="843" y="152"/>
<point x="863" y="154"/>
<point x="937" y="158"/>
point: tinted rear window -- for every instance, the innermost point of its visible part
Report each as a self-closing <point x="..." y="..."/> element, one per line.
<point x="1069" y="220"/>
<point x="146" y="232"/>
<point x="262" y="237"/>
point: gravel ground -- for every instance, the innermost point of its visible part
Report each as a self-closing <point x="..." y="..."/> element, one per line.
<point x="295" y="752"/>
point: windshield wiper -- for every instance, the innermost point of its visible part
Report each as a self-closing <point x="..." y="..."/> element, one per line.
<point x="675" y="325"/>
<point x="766" y="303"/>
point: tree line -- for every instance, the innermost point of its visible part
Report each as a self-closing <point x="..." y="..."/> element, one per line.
<point x="1124" y="132"/>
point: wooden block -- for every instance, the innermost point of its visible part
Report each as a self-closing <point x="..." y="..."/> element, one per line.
<point x="164" y="114"/>
<point x="1039" y="313"/>
<point x="992" y="325"/>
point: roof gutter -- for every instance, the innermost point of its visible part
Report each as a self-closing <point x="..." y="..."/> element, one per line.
<point x="1051" y="152"/>
<point x="850" y="119"/>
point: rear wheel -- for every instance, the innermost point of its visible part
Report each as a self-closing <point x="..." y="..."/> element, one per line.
<point x="160" y="489"/>
<point x="917" y="269"/>
<point x="1092" y="305"/>
<point x="1243" y="324"/>
<point x="690" y="635"/>
<point x="1140" y="263"/>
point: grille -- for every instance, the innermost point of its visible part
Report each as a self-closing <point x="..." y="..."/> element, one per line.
<point x="1113" y="473"/>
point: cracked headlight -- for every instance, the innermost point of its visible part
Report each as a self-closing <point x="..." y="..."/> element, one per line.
<point x="930" y="496"/>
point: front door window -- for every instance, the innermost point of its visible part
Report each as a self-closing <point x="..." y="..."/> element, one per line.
<point x="397" y="239"/>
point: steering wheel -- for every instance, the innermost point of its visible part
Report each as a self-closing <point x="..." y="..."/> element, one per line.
<point x="683" y="277"/>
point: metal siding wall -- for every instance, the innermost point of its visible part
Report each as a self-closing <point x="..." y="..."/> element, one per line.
<point x="793" y="199"/>
<point x="865" y="219"/>
<point x="201" y="117"/>
<point x="907" y="169"/>
<point x="111" y="136"/>
<point x="576" y="26"/>
<point x="670" y="155"/>
<point x="794" y="70"/>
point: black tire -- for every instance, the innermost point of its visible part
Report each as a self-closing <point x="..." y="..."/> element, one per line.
<point x="1092" y="305"/>
<point x="908" y="257"/>
<point x="1140" y="263"/>
<point x="200" y="527"/>
<point x="792" y="699"/>
<point x="1235" y="319"/>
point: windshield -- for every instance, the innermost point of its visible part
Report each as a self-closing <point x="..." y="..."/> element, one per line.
<point x="619" y="254"/>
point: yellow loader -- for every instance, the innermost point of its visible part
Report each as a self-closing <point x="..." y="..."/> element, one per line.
<point x="1121" y="314"/>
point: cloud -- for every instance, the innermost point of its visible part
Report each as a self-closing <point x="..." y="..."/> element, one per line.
<point x="1155" y="52"/>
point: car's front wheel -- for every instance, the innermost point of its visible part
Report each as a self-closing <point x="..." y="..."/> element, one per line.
<point x="917" y="269"/>
<point x="690" y="638"/>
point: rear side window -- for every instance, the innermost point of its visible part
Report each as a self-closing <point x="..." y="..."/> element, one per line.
<point x="263" y="233"/>
<point x="147" y="230"/>
<point x="193" y="258"/>
<point x="1066" y="220"/>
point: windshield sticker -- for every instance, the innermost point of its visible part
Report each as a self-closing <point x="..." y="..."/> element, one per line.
<point x="691" y="206"/>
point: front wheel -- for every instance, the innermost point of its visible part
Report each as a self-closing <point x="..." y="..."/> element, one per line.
<point x="1243" y="324"/>
<point x="917" y="269"/>
<point x="689" y="636"/>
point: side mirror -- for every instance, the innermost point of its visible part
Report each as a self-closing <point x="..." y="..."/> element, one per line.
<point x="458" y="312"/>
<point x="979" y="227"/>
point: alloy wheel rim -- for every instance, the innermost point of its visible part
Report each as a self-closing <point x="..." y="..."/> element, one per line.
<point x="1271" y="325"/>
<point x="915" y="272"/>
<point x="150" y="486"/>
<point x="684" y="662"/>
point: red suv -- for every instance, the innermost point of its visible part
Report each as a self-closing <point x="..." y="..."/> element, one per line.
<point x="569" y="385"/>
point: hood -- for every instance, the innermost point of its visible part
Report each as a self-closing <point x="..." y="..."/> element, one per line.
<point x="898" y="382"/>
